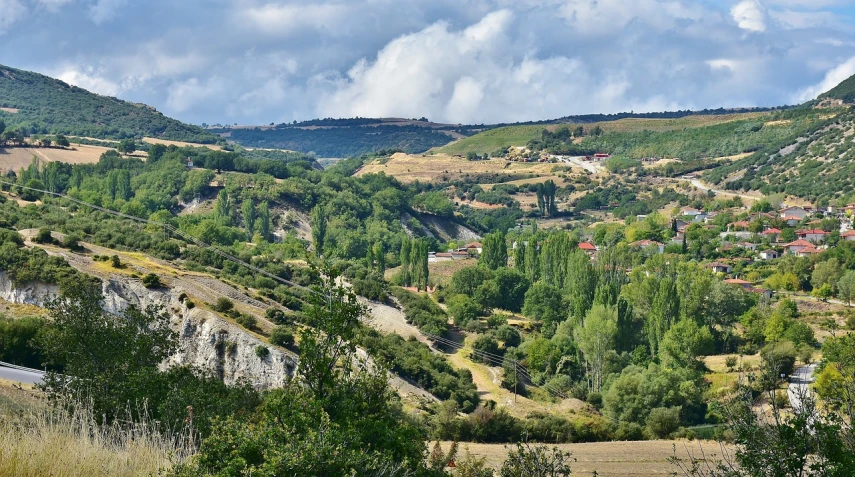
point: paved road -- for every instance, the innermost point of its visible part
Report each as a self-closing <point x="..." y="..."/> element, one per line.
<point x="800" y="385"/>
<point x="580" y="161"/>
<point x="20" y="376"/>
<point x="700" y="185"/>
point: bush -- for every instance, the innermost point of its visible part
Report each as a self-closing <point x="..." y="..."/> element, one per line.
<point x="277" y="316"/>
<point x="282" y="336"/>
<point x="730" y="362"/>
<point x="489" y="350"/>
<point x="223" y="305"/>
<point x="850" y="322"/>
<point x="549" y="462"/>
<point x="495" y="321"/>
<point x="247" y="321"/>
<point x="72" y="241"/>
<point x="151" y="281"/>
<point x="43" y="236"/>
<point x="116" y="263"/>
<point x="189" y="304"/>
<point x="261" y="351"/>
<point x="509" y="336"/>
<point x="662" y="421"/>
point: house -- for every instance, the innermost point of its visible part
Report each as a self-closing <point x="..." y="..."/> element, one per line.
<point x="447" y="256"/>
<point x="849" y="235"/>
<point x="587" y="247"/>
<point x="680" y="225"/>
<point x="742" y="283"/>
<point x="646" y="244"/>
<point x="740" y="225"/>
<point x="808" y="251"/>
<point x="718" y="267"/>
<point x="473" y="246"/>
<point x="747" y="246"/>
<point x="769" y="255"/>
<point x="812" y="235"/>
<point x="798" y="212"/>
<point x="771" y="234"/>
<point x="702" y="217"/>
<point x="800" y="244"/>
<point x="791" y="220"/>
<point x="690" y="211"/>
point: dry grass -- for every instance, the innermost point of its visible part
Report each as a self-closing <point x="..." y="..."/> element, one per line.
<point x="16" y="158"/>
<point x="44" y="441"/>
<point x="10" y="110"/>
<point x="610" y="459"/>
<point x="152" y="140"/>
<point x="438" y="167"/>
<point x="15" y="310"/>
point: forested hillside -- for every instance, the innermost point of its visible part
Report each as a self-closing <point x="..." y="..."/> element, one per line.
<point x="38" y="104"/>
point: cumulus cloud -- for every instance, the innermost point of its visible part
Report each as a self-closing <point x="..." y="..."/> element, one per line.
<point x="472" y="76"/>
<point x="834" y="77"/>
<point x="89" y="79"/>
<point x="604" y="16"/>
<point x="276" y="19"/>
<point x="190" y="93"/>
<point x="749" y="15"/>
<point x="10" y="12"/>
<point x="105" y="10"/>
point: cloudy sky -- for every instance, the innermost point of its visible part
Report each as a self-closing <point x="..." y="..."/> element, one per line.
<point x="466" y="61"/>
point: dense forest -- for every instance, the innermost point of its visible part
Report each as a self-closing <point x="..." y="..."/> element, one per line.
<point x="48" y="106"/>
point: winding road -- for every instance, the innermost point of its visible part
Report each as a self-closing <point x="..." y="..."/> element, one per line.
<point x="20" y="375"/>
<point x="799" y="387"/>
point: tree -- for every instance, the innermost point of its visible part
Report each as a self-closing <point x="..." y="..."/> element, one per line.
<point x="545" y="303"/>
<point x="248" y="212"/>
<point x="405" y="261"/>
<point x="127" y="146"/>
<point x="223" y="208"/>
<point x="45" y="142"/>
<point x="826" y="273"/>
<point x="420" y="273"/>
<point x="467" y="280"/>
<point x="319" y="228"/>
<point x="683" y="343"/>
<point x="846" y="286"/>
<point x="463" y="309"/>
<point x="596" y="337"/>
<point x="663" y="421"/>
<point x="380" y="257"/>
<point x="62" y="141"/>
<point x="529" y="460"/>
<point x="263" y="224"/>
<point x="151" y="281"/>
<point x="513" y="286"/>
<point x="494" y="252"/>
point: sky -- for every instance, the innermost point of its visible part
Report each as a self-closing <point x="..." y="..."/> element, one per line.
<point x="455" y="61"/>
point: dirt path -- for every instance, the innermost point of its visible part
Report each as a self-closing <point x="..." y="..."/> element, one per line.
<point x="701" y="186"/>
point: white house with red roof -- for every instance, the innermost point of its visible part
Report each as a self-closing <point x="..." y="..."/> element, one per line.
<point x="718" y="267"/>
<point x="587" y="247"/>
<point x="771" y="233"/>
<point x="742" y="283"/>
<point x="808" y="251"/>
<point x="812" y="235"/>
<point x="849" y="235"/>
<point x="646" y="244"/>
<point x="795" y="247"/>
<point x="472" y="246"/>
<point x="798" y="212"/>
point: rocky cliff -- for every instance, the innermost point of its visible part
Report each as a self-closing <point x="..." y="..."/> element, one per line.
<point x="205" y="340"/>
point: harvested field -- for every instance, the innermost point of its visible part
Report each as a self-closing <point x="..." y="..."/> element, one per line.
<point x="152" y="140"/>
<point x="610" y="459"/>
<point x="439" y="167"/>
<point x="16" y="158"/>
<point x="10" y="110"/>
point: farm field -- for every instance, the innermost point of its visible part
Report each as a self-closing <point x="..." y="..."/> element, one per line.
<point x="439" y="167"/>
<point x="152" y="140"/>
<point x="609" y="459"/>
<point x="489" y="141"/>
<point x="15" y="158"/>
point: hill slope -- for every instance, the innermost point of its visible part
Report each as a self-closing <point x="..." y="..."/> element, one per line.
<point x="43" y="105"/>
<point x="845" y="91"/>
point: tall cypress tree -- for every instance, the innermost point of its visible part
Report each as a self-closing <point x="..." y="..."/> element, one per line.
<point x="247" y="210"/>
<point x="263" y="221"/>
<point x="519" y="256"/>
<point x="494" y="252"/>
<point x="223" y="207"/>
<point x="319" y="228"/>
<point x="405" y="261"/>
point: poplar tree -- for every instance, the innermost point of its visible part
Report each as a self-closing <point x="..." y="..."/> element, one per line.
<point x="319" y="228"/>
<point x="380" y="257"/>
<point x="223" y="207"/>
<point x="494" y="253"/>
<point x="406" y="245"/>
<point x="263" y="221"/>
<point x="248" y="212"/>
<point x="519" y="256"/>
<point x="532" y="260"/>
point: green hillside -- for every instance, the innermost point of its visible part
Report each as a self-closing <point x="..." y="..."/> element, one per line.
<point x="48" y="106"/>
<point x="844" y="91"/>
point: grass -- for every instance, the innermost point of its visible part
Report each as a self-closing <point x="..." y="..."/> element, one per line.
<point x="491" y="140"/>
<point x="16" y="158"/>
<point x="44" y="441"/>
<point x="441" y="167"/>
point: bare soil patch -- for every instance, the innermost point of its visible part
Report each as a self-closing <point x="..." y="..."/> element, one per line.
<point x="16" y="158"/>
<point x="440" y="167"/>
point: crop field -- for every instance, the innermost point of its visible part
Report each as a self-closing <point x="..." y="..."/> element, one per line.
<point x="16" y="158"/>
<point x="610" y="459"/>
<point x="494" y="139"/>
<point x="439" y="167"/>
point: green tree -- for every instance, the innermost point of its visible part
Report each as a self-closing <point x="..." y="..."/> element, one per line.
<point x="544" y="302"/>
<point x="529" y="460"/>
<point x="248" y="213"/>
<point x="596" y="338"/>
<point x="494" y="252"/>
<point x="62" y="141"/>
<point x="826" y="273"/>
<point x="223" y="208"/>
<point x="127" y="146"/>
<point x="683" y="343"/>
<point x="846" y="286"/>
<point x="263" y="224"/>
<point x="463" y="309"/>
<point x="513" y="286"/>
<point x="380" y="257"/>
<point x="406" y="245"/>
<point x="319" y="228"/>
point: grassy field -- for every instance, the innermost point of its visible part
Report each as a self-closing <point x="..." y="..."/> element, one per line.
<point x="152" y="140"/>
<point x="609" y="459"/>
<point x="439" y="167"/>
<point x="489" y="141"/>
<point x="16" y="158"/>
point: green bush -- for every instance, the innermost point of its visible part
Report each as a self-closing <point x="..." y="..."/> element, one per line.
<point x="262" y="351"/>
<point x="662" y="421"/>
<point x="223" y="305"/>
<point x="151" y="281"/>
<point x="247" y="321"/>
<point x="282" y="336"/>
<point x="43" y="236"/>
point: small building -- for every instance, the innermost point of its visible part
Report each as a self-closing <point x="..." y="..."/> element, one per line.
<point x="647" y="244"/>
<point x="740" y="225"/>
<point x="473" y="246"/>
<point x="587" y="247"/>
<point x="769" y="255"/>
<point x="798" y="212"/>
<point x="808" y="251"/>
<point x="771" y="234"/>
<point x="742" y="283"/>
<point x="791" y="220"/>
<point x="812" y="235"/>
<point x="690" y="211"/>
<point x="849" y="235"/>
<point x="718" y="267"/>
<point x="798" y="245"/>
<point x="747" y="246"/>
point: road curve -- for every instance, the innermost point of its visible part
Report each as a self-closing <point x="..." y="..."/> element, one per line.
<point x="700" y="185"/>
<point x="799" y="387"/>
<point x="20" y="376"/>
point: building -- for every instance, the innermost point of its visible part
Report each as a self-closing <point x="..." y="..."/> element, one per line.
<point x="690" y="211"/>
<point x="747" y="246"/>
<point x="434" y="257"/>
<point x="808" y="251"/>
<point x="769" y="255"/>
<point x="742" y="283"/>
<point x="849" y="235"/>
<point x="475" y="247"/>
<point x="647" y="244"/>
<point x="791" y="220"/>
<point x="812" y="235"/>
<point x="771" y="234"/>
<point x="588" y="247"/>
<point x="741" y="225"/>
<point x="794" y="247"/>
<point x="798" y="212"/>
<point x="718" y="267"/>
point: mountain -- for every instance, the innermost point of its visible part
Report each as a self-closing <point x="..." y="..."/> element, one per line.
<point x="845" y="91"/>
<point x="43" y="105"/>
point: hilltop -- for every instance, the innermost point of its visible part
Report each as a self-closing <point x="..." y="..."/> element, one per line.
<point x="43" y="105"/>
<point x="845" y="91"/>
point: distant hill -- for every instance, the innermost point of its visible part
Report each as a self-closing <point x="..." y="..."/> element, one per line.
<point x="845" y="91"/>
<point x="43" y="105"/>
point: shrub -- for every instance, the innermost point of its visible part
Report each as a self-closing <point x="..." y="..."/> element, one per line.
<point x="495" y="321"/>
<point x="662" y="421"/>
<point x="509" y="336"/>
<point x="850" y="322"/>
<point x="223" y="305"/>
<point x="282" y="336"/>
<point x="730" y="362"/>
<point x="261" y="351"/>
<point x="488" y="348"/>
<point x="43" y="236"/>
<point x="72" y="241"/>
<point x="189" y="304"/>
<point x="277" y="316"/>
<point x="151" y="281"/>
<point x="247" y="321"/>
<point x="549" y="462"/>
<point x="116" y="263"/>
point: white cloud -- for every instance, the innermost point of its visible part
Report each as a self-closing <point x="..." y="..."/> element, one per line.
<point x="749" y="15"/>
<point x="834" y="77"/>
<point x="53" y="6"/>
<point x="104" y="10"/>
<point x="793" y="20"/>
<point x="472" y="76"/>
<point x="184" y="95"/>
<point x="277" y="19"/>
<point x="88" y="79"/>
<point x="10" y="12"/>
<point x="605" y="16"/>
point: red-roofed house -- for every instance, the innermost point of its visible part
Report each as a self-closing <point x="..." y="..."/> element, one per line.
<point x="808" y="251"/>
<point x="793" y="212"/>
<point x="741" y="225"/>
<point x="791" y="220"/>
<point x="771" y="234"/>
<point x="718" y="267"/>
<point x="812" y="235"/>
<point x="475" y="246"/>
<point x="736" y="281"/>
<point x="848" y="235"/>
<point x="800" y="244"/>
<point x="588" y="247"/>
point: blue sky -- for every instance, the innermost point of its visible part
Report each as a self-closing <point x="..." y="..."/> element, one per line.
<point x="467" y="61"/>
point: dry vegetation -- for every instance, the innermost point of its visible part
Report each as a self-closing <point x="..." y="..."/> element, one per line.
<point x="438" y="167"/>
<point x="152" y="140"/>
<point x="611" y="459"/>
<point x="16" y="158"/>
